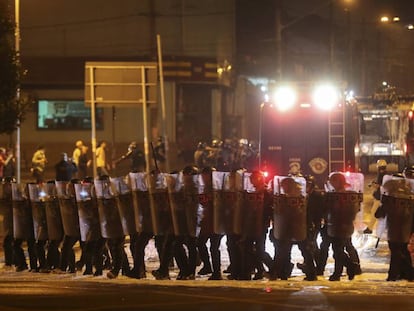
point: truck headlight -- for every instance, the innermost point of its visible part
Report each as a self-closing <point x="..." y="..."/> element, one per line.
<point x="325" y="97"/>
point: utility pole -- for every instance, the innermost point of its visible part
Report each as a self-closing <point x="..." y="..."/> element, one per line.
<point x="17" y="48"/>
<point x="278" y="28"/>
<point x="331" y="37"/>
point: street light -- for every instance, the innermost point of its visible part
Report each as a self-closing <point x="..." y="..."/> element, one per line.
<point x="17" y="48"/>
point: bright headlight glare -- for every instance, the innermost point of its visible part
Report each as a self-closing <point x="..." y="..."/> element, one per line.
<point x="325" y="97"/>
<point x="285" y="98"/>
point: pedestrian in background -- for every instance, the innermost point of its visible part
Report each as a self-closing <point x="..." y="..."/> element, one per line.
<point x="2" y="161"/>
<point x="9" y="169"/>
<point x="101" y="164"/>
<point x="39" y="162"/>
<point x="83" y="162"/>
<point x="77" y="152"/>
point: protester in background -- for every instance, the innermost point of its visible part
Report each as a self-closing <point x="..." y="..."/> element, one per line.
<point x="83" y="162"/>
<point x="101" y="164"/>
<point x="2" y="160"/>
<point x="77" y="152"/>
<point x="39" y="162"/>
<point x="381" y="172"/>
<point x="9" y="169"/>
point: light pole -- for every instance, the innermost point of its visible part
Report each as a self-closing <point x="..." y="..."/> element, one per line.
<point x="260" y="133"/>
<point x="17" y="48"/>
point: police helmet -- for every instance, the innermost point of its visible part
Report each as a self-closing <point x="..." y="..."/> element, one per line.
<point x="381" y="163"/>
<point x="310" y="180"/>
<point x="408" y="172"/>
<point x="201" y="145"/>
<point x="215" y="143"/>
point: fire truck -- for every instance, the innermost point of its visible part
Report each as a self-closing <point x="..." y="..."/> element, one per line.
<point x="386" y="128"/>
<point x="308" y="128"/>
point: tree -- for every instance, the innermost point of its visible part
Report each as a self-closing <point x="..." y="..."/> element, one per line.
<point x="11" y="108"/>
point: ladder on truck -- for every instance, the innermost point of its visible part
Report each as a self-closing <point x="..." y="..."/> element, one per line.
<point x="337" y="139"/>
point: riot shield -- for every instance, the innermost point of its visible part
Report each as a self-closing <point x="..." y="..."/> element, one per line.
<point x="183" y="195"/>
<point x="22" y="212"/>
<point x="342" y="208"/>
<point x="53" y="216"/>
<point x="289" y="208"/>
<point x="177" y="204"/>
<point x="37" y="196"/>
<point x="250" y="211"/>
<point x="398" y="203"/>
<point x="68" y="209"/>
<point x="6" y="208"/>
<point x="205" y="191"/>
<point x="141" y="202"/>
<point x="355" y="182"/>
<point x="90" y="229"/>
<point x="160" y="205"/>
<point x="111" y="226"/>
<point x="219" y="210"/>
<point x="227" y="199"/>
<point x="400" y="213"/>
<point x="124" y="203"/>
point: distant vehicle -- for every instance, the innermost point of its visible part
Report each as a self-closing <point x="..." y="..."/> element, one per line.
<point x="308" y="128"/>
<point x="385" y="123"/>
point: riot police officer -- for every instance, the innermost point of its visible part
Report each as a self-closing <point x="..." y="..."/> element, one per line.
<point x="315" y="212"/>
<point x="256" y="210"/>
<point x="342" y="207"/>
<point x="207" y="230"/>
<point x="398" y="208"/>
<point x="290" y="226"/>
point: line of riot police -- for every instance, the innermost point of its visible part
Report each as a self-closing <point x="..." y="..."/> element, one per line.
<point x="227" y="155"/>
<point x="182" y="211"/>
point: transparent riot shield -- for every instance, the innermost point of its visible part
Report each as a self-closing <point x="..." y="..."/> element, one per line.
<point x="400" y="213"/>
<point x="205" y="190"/>
<point x="141" y="202"/>
<point x="398" y="203"/>
<point x="227" y="199"/>
<point x="123" y="196"/>
<point x="6" y="208"/>
<point x="68" y="209"/>
<point x="355" y="182"/>
<point x="37" y="194"/>
<point x="183" y="195"/>
<point x="250" y="211"/>
<point x="53" y="216"/>
<point x="343" y="206"/>
<point x="111" y="226"/>
<point x="160" y="205"/>
<point x="90" y="229"/>
<point x="22" y="212"/>
<point x="219" y="209"/>
<point x="289" y="208"/>
<point x="177" y="204"/>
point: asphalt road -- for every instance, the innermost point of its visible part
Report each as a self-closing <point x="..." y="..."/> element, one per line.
<point x="84" y="295"/>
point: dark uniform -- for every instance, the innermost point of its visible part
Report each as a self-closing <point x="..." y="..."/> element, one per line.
<point x="207" y="231"/>
<point x="399" y="210"/>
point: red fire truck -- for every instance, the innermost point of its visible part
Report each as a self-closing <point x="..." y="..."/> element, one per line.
<point x="308" y="128"/>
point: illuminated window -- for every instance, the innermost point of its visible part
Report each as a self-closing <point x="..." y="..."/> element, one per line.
<point x="66" y="115"/>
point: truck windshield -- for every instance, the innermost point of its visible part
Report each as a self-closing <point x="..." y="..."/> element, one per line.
<point x="380" y="127"/>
